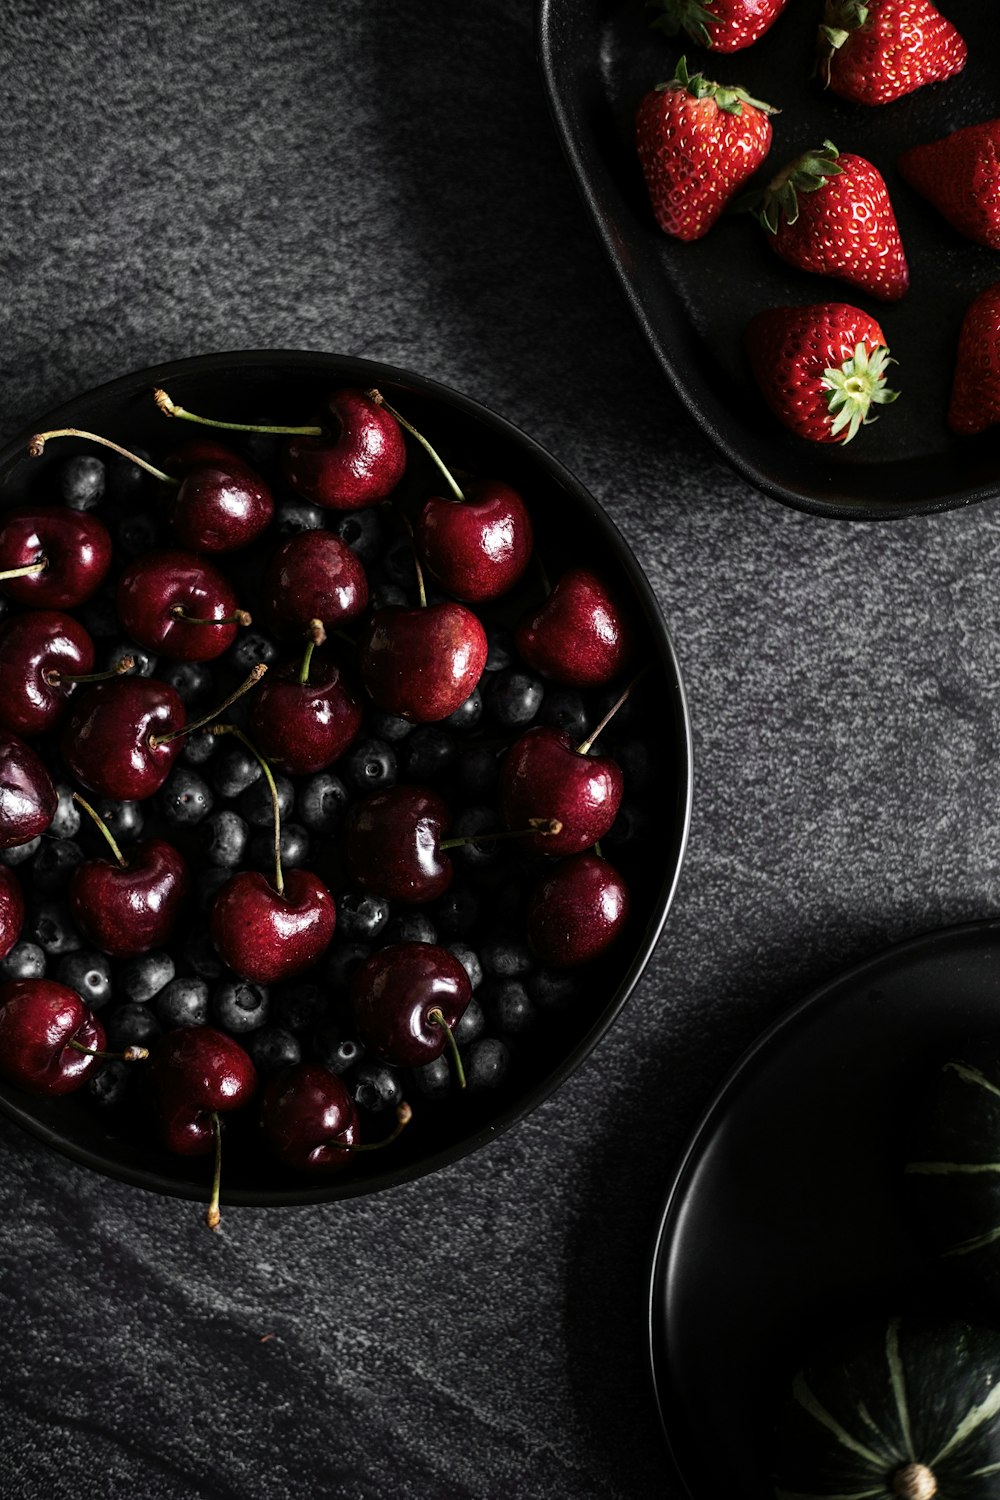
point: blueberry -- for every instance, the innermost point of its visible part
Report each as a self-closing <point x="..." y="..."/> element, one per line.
<point x="210" y="883"/>
<point x="388" y="726"/>
<point x="249" y="648"/>
<point x="414" y="927"/>
<point x="238" y="1006"/>
<point x="201" y="954"/>
<point x="183" y="1002"/>
<point x="469" y="960"/>
<point x="126" y="481"/>
<point x="370" y="766"/>
<point x="66" y="819"/>
<point x="478" y="770"/>
<point x="486" y="1064"/>
<point x="506" y="959"/>
<point x="509" y="1007"/>
<point x="469" y="823"/>
<point x="124" y="819"/>
<point x="344" y="959"/>
<point x="199" y="747"/>
<point x="433" y="1080"/>
<point x="387" y="595"/>
<point x="145" y="976"/>
<point x="256" y="805"/>
<point x="132" y="1026"/>
<point x="108" y="1087"/>
<point x="468" y="714"/>
<point x="299" y="1006"/>
<point x="143" y="662"/>
<point x="192" y="681"/>
<point x="19" y="854"/>
<point x="471" y="1024"/>
<point x="364" y="531"/>
<point x="321" y="802"/>
<point x="24" y="961"/>
<point x="500" y="649"/>
<point x="224" y="838"/>
<point x="336" y="1050"/>
<point x="52" y="929"/>
<point x="429" y="753"/>
<point x="54" y="864"/>
<point x="564" y="709"/>
<point x="234" y="771"/>
<point x="361" y="916"/>
<point x="292" y="517"/>
<point x="513" y="698"/>
<point x="80" y="481"/>
<point x="137" y="533"/>
<point x="89" y="974"/>
<point x="550" y="991"/>
<point x="185" y="798"/>
<point x="399" y="565"/>
<point x="295" y="846"/>
<point x="375" y="1087"/>
<point x="272" y="1049"/>
<point x="456" y="913"/>
<point x="99" y="616"/>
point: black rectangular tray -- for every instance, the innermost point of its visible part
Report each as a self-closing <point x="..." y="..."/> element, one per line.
<point x="693" y="301"/>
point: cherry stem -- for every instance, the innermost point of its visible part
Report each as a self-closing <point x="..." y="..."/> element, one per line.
<point x="585" y="745"/>
<point x="37" y="447"/>
<point x="436" y="1018"/>
<point x="279" y="879"/>
<point x="543" y="826"/>
<point x="171" y="409"/>
<point x="102" y="826"/>
<point x="244" y="687"/>
<point x="379" y="399"/>
<point x="404" y="1114"/>
<point x="238" y="617"/>
<point x="54" y="678"/>
<point x="28" y="571"/>
<point x="131" y="1054"/>
<point x="421" y="589"/>
<point x="317" y="635"/>
<point x="213" y="1217"/>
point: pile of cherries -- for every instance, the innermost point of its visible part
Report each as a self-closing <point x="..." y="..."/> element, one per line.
<point x="291" y="824"/>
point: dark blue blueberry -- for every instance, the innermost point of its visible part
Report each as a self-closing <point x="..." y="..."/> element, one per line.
<point x="388" y="726"/>
<point x="413" y="927"/>
<point x="370" y="766"/>
<point x="143" y="661"/>
<point x="428" y="754"/>
<point x="468" y="714"/>
<point x="224" y="838"/>
<point x="89" y="974"/>
<point x="234" y="771"/>
<point x="486" y="1064"/>
<point x="500" y="649"/>
<point x="550" y="991"/>
<point x="256" y="805"/>
<point x="385" y="595"/>
<point x="53" y="866"/>
<point x="364" y="531"/>
<point x="469" y="823"/>
<point x="299" y="1006"/>
<point x="375" y="1087"/>
<point x="513" y="698"/>
<point x="506" y="958"/>
<point x="456" y="913"/>
<point x="471" y="1023"/>
<point x="563" y="708"/>
<point x="478" y="770"/>
<point x="99" y="616"/>
<point x="183" y="1002"/>
<point x="185" y="798"/>
<point x="199" y="747"/>
<point x="126" y="483"/>
<point x="20" y="854"/>
<point x="337" y="1049"/>
<point x="398" y="563"/>
<point x="321" y="802"/>
<point x="249" y="648"/>
<point x="272" y="1048"/>
<point x="508" y="1006"/>
<point x="109" y="1085"/>
<point x="143" y="977"/>
<point x="295" y="846"/>
<point x="209" y="884"/>
<point x="238" y="1006"/>
<point x="66" y="820"/>
<point x="132" y="1026"/>
<point x="433" y="1080"/>
<point x="125" y="819"/>
<point x="192" y="681"/>
<point x="361" y="916"/>
<point x="24" y="961"/>
<point x="292" y="517"/>
<point x="52" y="928"/>
<point x="138" y="533"/>
<point x="201" y="954"/>
<point x="81" y="480"/>
<point x="469" y="959"/>
<point x="344" y="960"/>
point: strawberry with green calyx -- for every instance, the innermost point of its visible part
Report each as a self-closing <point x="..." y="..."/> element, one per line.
<point x="830" y="213"/>
<point x="723" y="25"/>
<point x="975" y="391"/>
<point x="821" y="368"/>
<point x="874" y="51"/>
<point x="960" y="175"/>
<point x="698" y="143"/>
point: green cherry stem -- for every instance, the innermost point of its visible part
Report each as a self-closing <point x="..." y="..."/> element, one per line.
<point x="436" y="1018"/>
<point x="171" y="409"/>
<point x="54" y="678"/>
<point x="213" y="1215"/>
<point x="404" y="1114"/>
<point x="28" y="571"/>
<point x="37" y="447"/>
<point x="317" y="635"/>
<point x="279" y="879"/>
<point x="544" y="826"/>
<point x="377" y="396"/>
<point x="421" y="587"/>
<point x="131" y="1054"/>
<point x="102" y="826"/>
<point x="244" y="687"/>
<point x="585" y="745"/>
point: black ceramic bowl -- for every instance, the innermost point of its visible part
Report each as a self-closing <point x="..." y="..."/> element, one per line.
<point x="570" y="527"/>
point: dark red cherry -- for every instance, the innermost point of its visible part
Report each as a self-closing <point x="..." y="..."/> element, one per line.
<point x="545" y="776"/>
<point x="110" y="738"/>
<point x="576" y="911"/>
<point x="392" y="844"/>
<point x="11" y="910"/>
<point x="221" y="504"/>
<point x="580" y="635"/>
<point x="304" y="1112"/>
<point x="422" y="664"/>
<point x="402" y="995"/>
<point x="476" y="548"/>
<point x="39" y="1022"/>
<point x="130" y="905"/>
<point x="38" y="652"/>
<point x="70" y="549"/>
<point x="360" y="458"/>
<point x="313" y="576"/>
<point x="178" y="606"/>
<point x="195" y="1074"/>
<point x="27" y="797"/>
<point x="302" y="727"/>
<point x="266" y="935"/>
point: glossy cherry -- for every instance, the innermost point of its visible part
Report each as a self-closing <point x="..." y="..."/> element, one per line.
<point x="304" y="716"/>
<point x="63" y="555"/>
<point x="580" y="635"/>
<point x="307" y="1117"/>
<point x="40" y="653"/>
<point x="111" y="738"/>
<point x="407" y="1000"/>
<point x="478" y="547"/>
<point x="27" y="797"/>
<point x="221" y="503"/>
<point x="313" y="576"/>
<point x="392" y="844"/>
<point x="576" y="911"/>
<point x="47" y="1037"/>
<point x="545" y="775"/>
<point x="128" y="905"/>
<point x="11" y="910"/>
<point x="421" y="664"/>
<point x="178" y="606"/>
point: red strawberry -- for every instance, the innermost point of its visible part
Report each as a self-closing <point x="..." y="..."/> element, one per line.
<point x="831" y="214"/>
<point x="698" y="143"/>
<point x="820" y="368"/>
<point x="874" y="51"/>
<point x="960" y="174"/>
<point x="723" y="25"/>
<point x="975" y="392"/>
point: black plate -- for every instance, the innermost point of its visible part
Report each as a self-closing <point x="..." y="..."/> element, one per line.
<point x="570" y="526"/>
<point x="784" y="1220"/>
<point x="694" y="301"/>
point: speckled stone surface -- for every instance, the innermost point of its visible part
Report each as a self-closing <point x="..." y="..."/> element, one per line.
<point x="383" y="180"/>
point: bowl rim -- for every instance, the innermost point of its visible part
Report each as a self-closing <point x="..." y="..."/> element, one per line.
<point x="364" y="372"/>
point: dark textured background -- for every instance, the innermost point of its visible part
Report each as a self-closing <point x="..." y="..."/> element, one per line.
<point x="382" y="179"/>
